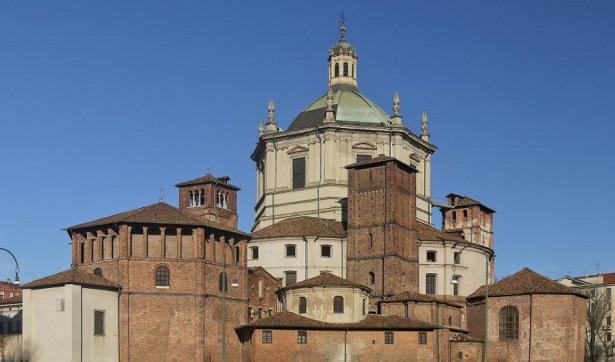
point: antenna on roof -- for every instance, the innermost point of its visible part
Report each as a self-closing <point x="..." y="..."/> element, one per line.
<point x="161" y="194"/>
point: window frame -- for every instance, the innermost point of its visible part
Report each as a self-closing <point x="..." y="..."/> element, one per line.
<point x="99" y="322"/>
<point x="254" y="253"/>
<point x="302" y="337"/>
<point x="326" y="247"/>
<point x="508" y="327"/>
<point x="389" y="337"/>
<point x="287" y="248"/>
<point x="302" y="305"/>
<point x="338" y="304"/>
<point x="299" y="176"/>
<point x="431" y="285"/>
<point x="362" y="157"/>
<point x="287" y="274"/>
<point x="431" y="256"/>
<point x="422" y="336"/>
<point x="267" y="336"/>
<point x="162" y="277"/>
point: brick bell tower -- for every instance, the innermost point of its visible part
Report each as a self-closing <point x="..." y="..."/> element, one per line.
<point x="209" y="197"/>
<point x="382" y="240"/>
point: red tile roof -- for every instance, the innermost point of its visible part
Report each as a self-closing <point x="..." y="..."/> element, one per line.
<point x="525" y="281"/>
<point x="209" y="178"/>
<point x="377" y="160"/>
<point x="325" y="280"/>
<point x="416" y="297"/>
<point x="466" y="201"/>
<point x="159" y="213"/>
<point x="288" y="320"/>
<point x="302" y="226"/>
<point x="12" y="300"/>
<point x="72" y="276"/>
<point x="427" y="232"/>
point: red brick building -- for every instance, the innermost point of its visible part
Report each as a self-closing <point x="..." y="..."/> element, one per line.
<point x="531" y="318"/>
<point x="170" y="264"/>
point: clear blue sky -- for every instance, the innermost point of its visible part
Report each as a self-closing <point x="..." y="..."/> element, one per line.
<point x="102" y="103"/>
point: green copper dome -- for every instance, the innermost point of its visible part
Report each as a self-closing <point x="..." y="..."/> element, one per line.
<point x="349" y="105"/>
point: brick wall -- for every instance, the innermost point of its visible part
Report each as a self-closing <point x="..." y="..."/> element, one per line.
<point x="340" y="345"/>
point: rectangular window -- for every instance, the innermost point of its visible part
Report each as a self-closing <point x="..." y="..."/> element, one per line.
<point x="291" y="277"/>
<point x="608" y="320"/>
<point x="301" y="337"/>
<point x="254" y="253"/>
<point x="298" y="173"/>
<point x="291" y="251"/>
<point x="430" y="284"/>
<point x="608" y="293"/>
<point x="9" y="326"/>
<point x="457" y="258"/>
<point x="363" y="158"/>
<point x="608" y="336"/>
<point x="431" y="256"/>
<point x="325" y="251"/>
<point x="388" y="337"/>
<point x="422" y="337"/>
<point x="456" y="286"/>
<point x="302" y="305"/>
<point x="99" y="323"/>
<point x="267" y="337"/>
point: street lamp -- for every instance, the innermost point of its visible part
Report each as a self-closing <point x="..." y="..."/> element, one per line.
<point x="486" y="322"/>
<point x="233" y="284"/>
<point x="16" y="281"/>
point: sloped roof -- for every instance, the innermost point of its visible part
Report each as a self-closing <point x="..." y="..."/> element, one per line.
<point x="427" y="232"/>
<point x="302" y="226"/>
<point x="72" y="276"/>
<point x="408" y="296"/>
<point x="288" y="320"/>
<point x="209" y="178"/>
<point x="466" y="201"/>
<point x="350" y="106"/>
<point x="17" y="299"/>
<point x="160" y="213"/>
<point x="380" y="159"/>
<point x="525" y="281"/>
<point x="325" y="280"/>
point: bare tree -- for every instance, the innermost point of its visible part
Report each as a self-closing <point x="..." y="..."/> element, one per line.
<point x="597" y="336"/>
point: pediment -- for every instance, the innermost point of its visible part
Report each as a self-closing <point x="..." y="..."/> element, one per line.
<point x="297" y="149"/>
<point x="364" y="146"/>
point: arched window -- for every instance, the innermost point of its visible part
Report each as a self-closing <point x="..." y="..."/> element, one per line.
<point x="337" y="70"/>
<point x="98" y="272"/>
<point x="302" y="305"/>
<point x="338" y="304"/>
<point x="509" y="323"/>
<point x="163" y="277"/>
<point x="345" y="69"/>
<point x="371" y="278"/>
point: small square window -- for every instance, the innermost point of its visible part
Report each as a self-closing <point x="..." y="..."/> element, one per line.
<point x="254" y="253"/>
<point x="422" y="337"/>
<point x="388" y="337"/>
<point x="301" y="337"/>
<point x="363" y="158"/>
<point x="431" y="256"/>
<point x="291" y="251"/>
<point x="325" y="251"/>
<point x="267" y="337"/>
<point x="99" y="323"/>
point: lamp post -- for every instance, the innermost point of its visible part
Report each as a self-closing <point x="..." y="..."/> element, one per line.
<point x="16" y="281"/>
<point x="486" y="317"/>
<point x="233" y="284"/>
